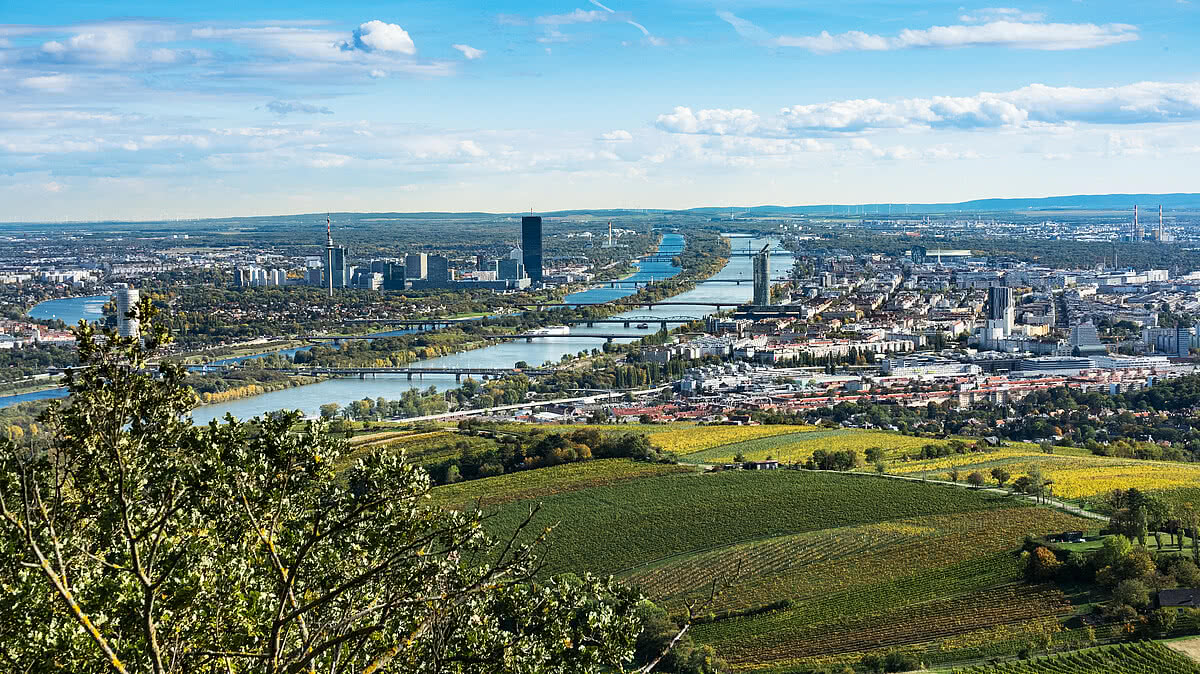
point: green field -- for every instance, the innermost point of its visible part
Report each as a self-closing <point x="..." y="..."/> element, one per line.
<point x="816" y="568"/>
<point x="1147" y="657"/>
<point x="635" y="522"/>
<point x="863" y="564"/>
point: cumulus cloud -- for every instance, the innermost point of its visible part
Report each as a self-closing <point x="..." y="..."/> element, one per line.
<point x="617" y="136"/>
<point x="1031" y="106"/>
<point x="469" y="52"/>
<point x="716" y="122"/>
<point x="375" y="35"/>
<point x="282" y="108"/>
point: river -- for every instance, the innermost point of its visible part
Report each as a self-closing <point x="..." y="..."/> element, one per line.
<point x="309" y="399"/>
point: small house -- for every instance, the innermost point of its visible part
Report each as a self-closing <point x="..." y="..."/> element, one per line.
<point x="1180" y="598"/>
<point x="1066" y="537"/>
<point x="761" y="465"/>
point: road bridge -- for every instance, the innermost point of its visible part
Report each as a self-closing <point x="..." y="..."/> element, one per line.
<point x="668" y="303"/>
<point x="527" y="336"/>
<point x="420" y="372"/>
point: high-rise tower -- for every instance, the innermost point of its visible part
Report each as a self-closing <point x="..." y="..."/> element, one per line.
<point x="337" y="274"/>
<point x="531" y="246"/>
<point x="127" y="298"/>
<point x="1000" y="306"/>
<point x="762" y="277"/>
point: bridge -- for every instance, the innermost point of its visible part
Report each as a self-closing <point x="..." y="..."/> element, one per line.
<point x="527" y="336"/>
<point x="542" y="306"/>
<point x="420" y="372"/>
<point x="638" y="284"/>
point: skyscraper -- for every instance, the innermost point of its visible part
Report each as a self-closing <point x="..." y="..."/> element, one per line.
<point x="762" y="277"/>
<point x="1183" y="341"/>
<point x="127" y="298"/>
<point x="416" y="266"/>
<point x="531" y="245"/>
<point x="1000" y="306"/>
<point x="337" y="274"/>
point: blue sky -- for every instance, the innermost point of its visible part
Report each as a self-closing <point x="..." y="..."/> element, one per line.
<point x="146" y="110"/>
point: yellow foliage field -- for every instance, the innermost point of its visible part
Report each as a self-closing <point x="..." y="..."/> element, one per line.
<point x="1076" y="474"/>
<point x="699" y="438"/>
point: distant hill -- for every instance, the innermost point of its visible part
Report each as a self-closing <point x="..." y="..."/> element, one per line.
<point x="1105" y="202"/>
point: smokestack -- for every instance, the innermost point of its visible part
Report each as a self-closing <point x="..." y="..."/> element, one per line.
<point x="1135" y="224"/>
<point x="1160" y="224"/>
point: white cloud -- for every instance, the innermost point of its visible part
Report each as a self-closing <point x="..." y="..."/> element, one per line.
<point x="469" y="52"/>
<point x="111" y="45"/>
<point x="471" y="148"/>
<point x="1036" y="105"/>
<point x="1014" y="32"/>
<point x="53" y="187"/>
<point x="282" y="108"/>
<point x="327" y="160"/>
<point x="376" y="35"/>
<point x="57" y="83"/>
<point x="717" y="122"/>
<point x="577" y="16"/>
<point x="745" y="28"/>
<point x="1000" y="13"/>
<point x="617" y="136"/>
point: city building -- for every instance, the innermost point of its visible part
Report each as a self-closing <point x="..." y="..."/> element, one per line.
<point x="1000" y="307"/>
<point x="438" y="270"/>
<point x="511" y="269"/>
<point x="416" y="266"/>
<point x="1085" y="341"/>
<point x="531" y="245"/>
<point x="127" y="299"/>
<point x="337" y="274"/>
<point x="762" y="277"/>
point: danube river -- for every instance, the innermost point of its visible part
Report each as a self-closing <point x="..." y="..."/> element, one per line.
<point x="309" y="399"/>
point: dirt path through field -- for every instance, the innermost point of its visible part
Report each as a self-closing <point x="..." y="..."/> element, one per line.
<point x="1189" y="647"/>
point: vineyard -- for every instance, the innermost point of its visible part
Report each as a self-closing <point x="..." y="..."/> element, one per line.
<point x="1076" y="472"/>
<point x="803" y="566"/>
<point x="547" y="482"/>
<point x="798" y="446"/>
<point x="848" y="595"/>
<point x="1147" y="657"/>
<point x="699" y="438"/>
<point x="638" y="522"/>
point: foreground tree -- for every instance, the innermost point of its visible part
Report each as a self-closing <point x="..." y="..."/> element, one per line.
<point x="138" y="542"/>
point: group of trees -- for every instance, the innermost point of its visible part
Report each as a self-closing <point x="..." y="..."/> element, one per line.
<point x="412" y="403"/>
<point x="514" y="452"/>
<point x="34" y="359"/>
<point x="841" y="459"/>
<point x="1129" y="575"/>
<point x="137" y="542"/>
